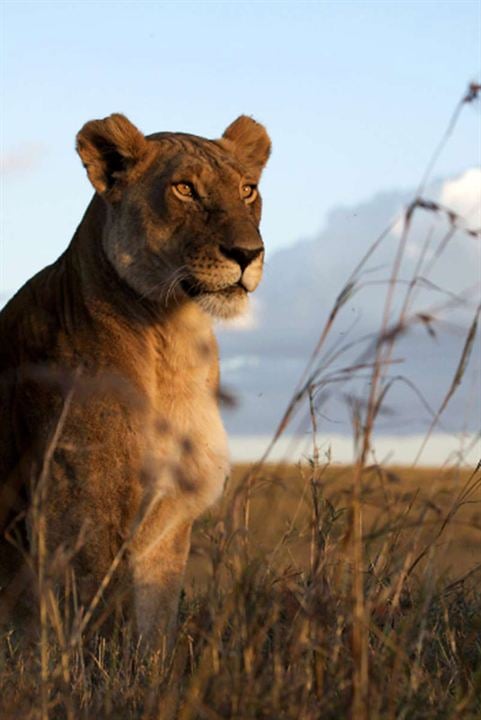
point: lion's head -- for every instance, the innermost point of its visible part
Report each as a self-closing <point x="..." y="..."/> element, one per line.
<point x="183" y="211"/>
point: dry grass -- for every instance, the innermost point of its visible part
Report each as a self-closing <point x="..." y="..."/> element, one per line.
<point x="395" y="500"/>
<point x="266" y="619"/>
<point x="313" y="591"/>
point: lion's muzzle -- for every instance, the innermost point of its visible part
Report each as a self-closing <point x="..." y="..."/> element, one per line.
<point x="249" y="261"/>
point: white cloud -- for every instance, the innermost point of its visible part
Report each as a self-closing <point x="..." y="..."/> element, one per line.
<point x="463" y="195"/>
<point x="458" y="267"/>
<point x="301" y="285"/>
<point x="21" y="159"/>
<point x="239" y="361"/>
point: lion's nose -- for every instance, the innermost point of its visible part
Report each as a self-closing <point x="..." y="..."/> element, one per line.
<point x="241" y="255"/>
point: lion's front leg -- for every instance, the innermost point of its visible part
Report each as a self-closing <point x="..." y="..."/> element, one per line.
<point x="158" y="567"/>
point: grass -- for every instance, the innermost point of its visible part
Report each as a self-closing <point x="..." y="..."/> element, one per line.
<point x="401" y="500"/>
<point x="313" y="591"/>
<point x="266" y="616"/>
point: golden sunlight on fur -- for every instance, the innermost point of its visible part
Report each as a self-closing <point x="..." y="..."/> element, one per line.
<point x="109" y="371"/>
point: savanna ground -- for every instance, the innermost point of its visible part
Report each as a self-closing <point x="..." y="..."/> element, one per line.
<point x="313" y="591"/>
<point x="267" y="615"/>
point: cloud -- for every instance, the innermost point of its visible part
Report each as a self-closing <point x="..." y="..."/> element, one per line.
<point x="237" y="362"/>
<point x="463" y="195"/>
<point x="22" y="159"/>
<point x="299" y="289"/>
<point x="458" y="266"/>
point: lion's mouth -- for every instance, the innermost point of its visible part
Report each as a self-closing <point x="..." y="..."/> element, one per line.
<point x="225" y="302"/>
<point x="194" y="289"/>
<point x="191" y="287"/>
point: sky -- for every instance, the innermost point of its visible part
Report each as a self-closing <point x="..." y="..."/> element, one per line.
<point x="355" y="95"/>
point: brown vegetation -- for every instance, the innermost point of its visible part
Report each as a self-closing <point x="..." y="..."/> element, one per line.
<point x="266" y="618"/>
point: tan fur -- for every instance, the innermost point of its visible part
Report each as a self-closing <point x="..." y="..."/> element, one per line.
<point x="111" y="348"/>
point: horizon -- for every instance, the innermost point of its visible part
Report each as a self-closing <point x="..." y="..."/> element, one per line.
<point x="335" y="449"/>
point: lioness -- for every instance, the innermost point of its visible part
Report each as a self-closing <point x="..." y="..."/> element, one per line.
<point x="111" y="438"/>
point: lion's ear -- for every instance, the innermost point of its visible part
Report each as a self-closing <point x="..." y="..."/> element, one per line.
<point x="249" y="141"/>
<point x="110" y="150"/>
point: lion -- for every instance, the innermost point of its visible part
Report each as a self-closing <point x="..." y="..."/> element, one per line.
<point x="111" y="441"/>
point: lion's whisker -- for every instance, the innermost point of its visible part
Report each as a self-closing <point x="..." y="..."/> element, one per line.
<point x="176" y="275"/>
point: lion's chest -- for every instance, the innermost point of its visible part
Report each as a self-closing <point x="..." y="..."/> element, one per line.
<point x="186" y="454"/>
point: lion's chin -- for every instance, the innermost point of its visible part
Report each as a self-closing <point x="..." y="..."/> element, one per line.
<point x="224" y="304"/>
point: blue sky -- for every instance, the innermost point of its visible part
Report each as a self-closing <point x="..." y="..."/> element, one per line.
<point x="354" y="94"/>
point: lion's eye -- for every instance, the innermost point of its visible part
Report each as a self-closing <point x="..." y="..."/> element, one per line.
<point x="248" y="193"/>
<point x="184" y="189"/>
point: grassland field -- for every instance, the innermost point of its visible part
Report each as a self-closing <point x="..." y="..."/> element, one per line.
<point x="267" y="613"/>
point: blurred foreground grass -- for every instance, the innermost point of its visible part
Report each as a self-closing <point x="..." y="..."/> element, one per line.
<point x="267" y="612"/>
